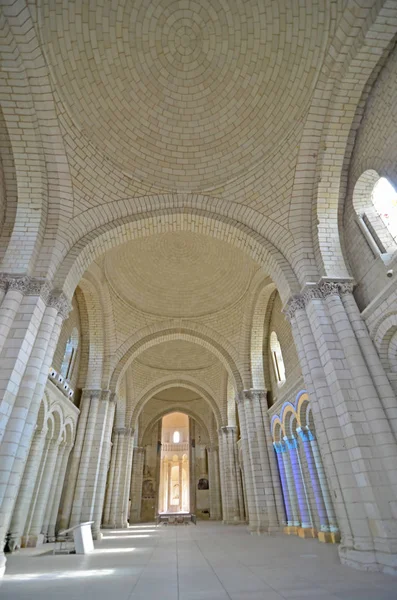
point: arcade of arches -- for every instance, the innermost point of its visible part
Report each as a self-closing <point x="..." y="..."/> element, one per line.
<point x="198" y="283"/>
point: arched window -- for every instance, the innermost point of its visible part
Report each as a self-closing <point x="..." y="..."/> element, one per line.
<point x="277" y="357"/>
<point x="384" y="197"/>
<point x="176" y="438"/>
<point x="70" y="354"/>
<point x="375" y="203"/>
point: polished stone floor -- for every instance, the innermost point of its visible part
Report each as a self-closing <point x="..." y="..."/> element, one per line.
<point x="210" y="561"/>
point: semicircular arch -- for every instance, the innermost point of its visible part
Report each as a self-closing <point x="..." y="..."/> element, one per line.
<point x="168" y="383"/>
<point x="176" y="330"/>
<point x="91" y="245"/>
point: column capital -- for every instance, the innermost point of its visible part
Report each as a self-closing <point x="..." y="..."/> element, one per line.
<point x="37" y="286"/>
<point x="92" y="393"/>
<point x="60" y="302"/>
<point x="28" y="286"/>
<point x="124" y="431"/>
<point x="305" y="434"/>
<point x="280" y="447"/>
<point x="252" y="394"/>
<point x="226" y="429"/>
<point x="291" y="443"/>
<point x="323" y="289"/>
<point x="139" y="450"/>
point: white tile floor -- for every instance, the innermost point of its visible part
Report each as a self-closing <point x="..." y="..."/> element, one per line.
<point x="210" y="561"/>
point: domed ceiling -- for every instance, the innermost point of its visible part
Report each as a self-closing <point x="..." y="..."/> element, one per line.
<point x="185" y="94"/>
<point x="179" y="274"/>
<point x="177" y="394"/>
<point x="177" y="355"/>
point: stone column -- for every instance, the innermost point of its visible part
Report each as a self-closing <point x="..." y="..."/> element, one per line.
<point x="58" y="490"/>
<point x="261" y="462"/>
<point x="103" y="466"/>
<point x="331" y="517"/>
<point x="90" y="488"/>
<point x="109" y="487"/>
<point x="32" y="318"/>
<point x="26" y="489"/>
<point x="318" y="496"/>
<point x="280" y="448"/>
<point x="43" y="493"/>
<point x="169" y="485"/>
<point x="306" y="529"/>
<point x="55" y="485"/>
<point x="180" y="482"/>
<point x="213" y="474"/>
<point x="352" y="423"/>
<point x="136" y="484"/>
<point x="192" y="465"/>
<point x="119" y="493"/>
<point x="232" y="505"/>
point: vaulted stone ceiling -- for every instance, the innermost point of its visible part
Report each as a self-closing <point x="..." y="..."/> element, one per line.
<point x="177" y="355"/>
<point x="179" y="274"/>
<point x="186" y="94"/>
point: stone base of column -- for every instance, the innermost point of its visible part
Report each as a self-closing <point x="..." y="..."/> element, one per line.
<point x="307" y="532"/>
<point x="32" y="541"/>
<point x="368" y="560"/>
<point x="233" y="522"/>
<point x="329" y="537"/>
<point x="263" y="530"/>
<point x="291" y="530"/>
<point x="97" y="535"/>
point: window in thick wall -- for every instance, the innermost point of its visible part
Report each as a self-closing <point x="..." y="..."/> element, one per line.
<point x="375" y="203"/>
<point x="70" y="355"/>
<point x="176" y="438"/>
<point x="384" y="198"/>
<point x="277" y="357"/>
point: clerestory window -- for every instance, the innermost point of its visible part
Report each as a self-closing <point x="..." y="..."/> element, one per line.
<point x="277" y="357"/>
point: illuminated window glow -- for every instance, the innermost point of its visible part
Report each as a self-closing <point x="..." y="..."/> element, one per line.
<point x="384" y="198"/>
<point x="176" y="438"/>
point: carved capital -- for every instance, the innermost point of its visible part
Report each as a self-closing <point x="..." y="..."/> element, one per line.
<point x="315" y="291"/>
<point x="59" y="301"/>
<point x="28" y="286"/>
<point x="295" y="303"/>
<point x="92" y="393"/>
<point x="259" y="395"/>
<point x="227" y="430"/>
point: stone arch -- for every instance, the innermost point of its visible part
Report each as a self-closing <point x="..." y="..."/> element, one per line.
<point x="173" y="330"/>
<point x="69" y="431"/>
<point x="303" y="409"/>
<point x="91" y="245"/>
<point x="56" y="414"/>
<point x="258" y="335"/>
<point x="183" y="382"/>
<point x="363" y="201"/>
<point x="288" y="414"/>
<point x="338" y="101"/>
<point x="34" y="209"/>
<point x="96" y="335"/>
<point x="168" y="411"/>
<point x="277" y="429"/>
<point x="384" y="338"/>
<point x="8" y="188"/>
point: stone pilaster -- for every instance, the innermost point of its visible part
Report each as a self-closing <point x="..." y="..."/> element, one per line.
<point x="30" y="321"/>
<point x="232" y="507"/>
<point x="89" y="490"/>
<point x="260" y="469"/>
<point x="352" y="420"/>
<point x="136" y="484"/>
<point x="214" y="483"/>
